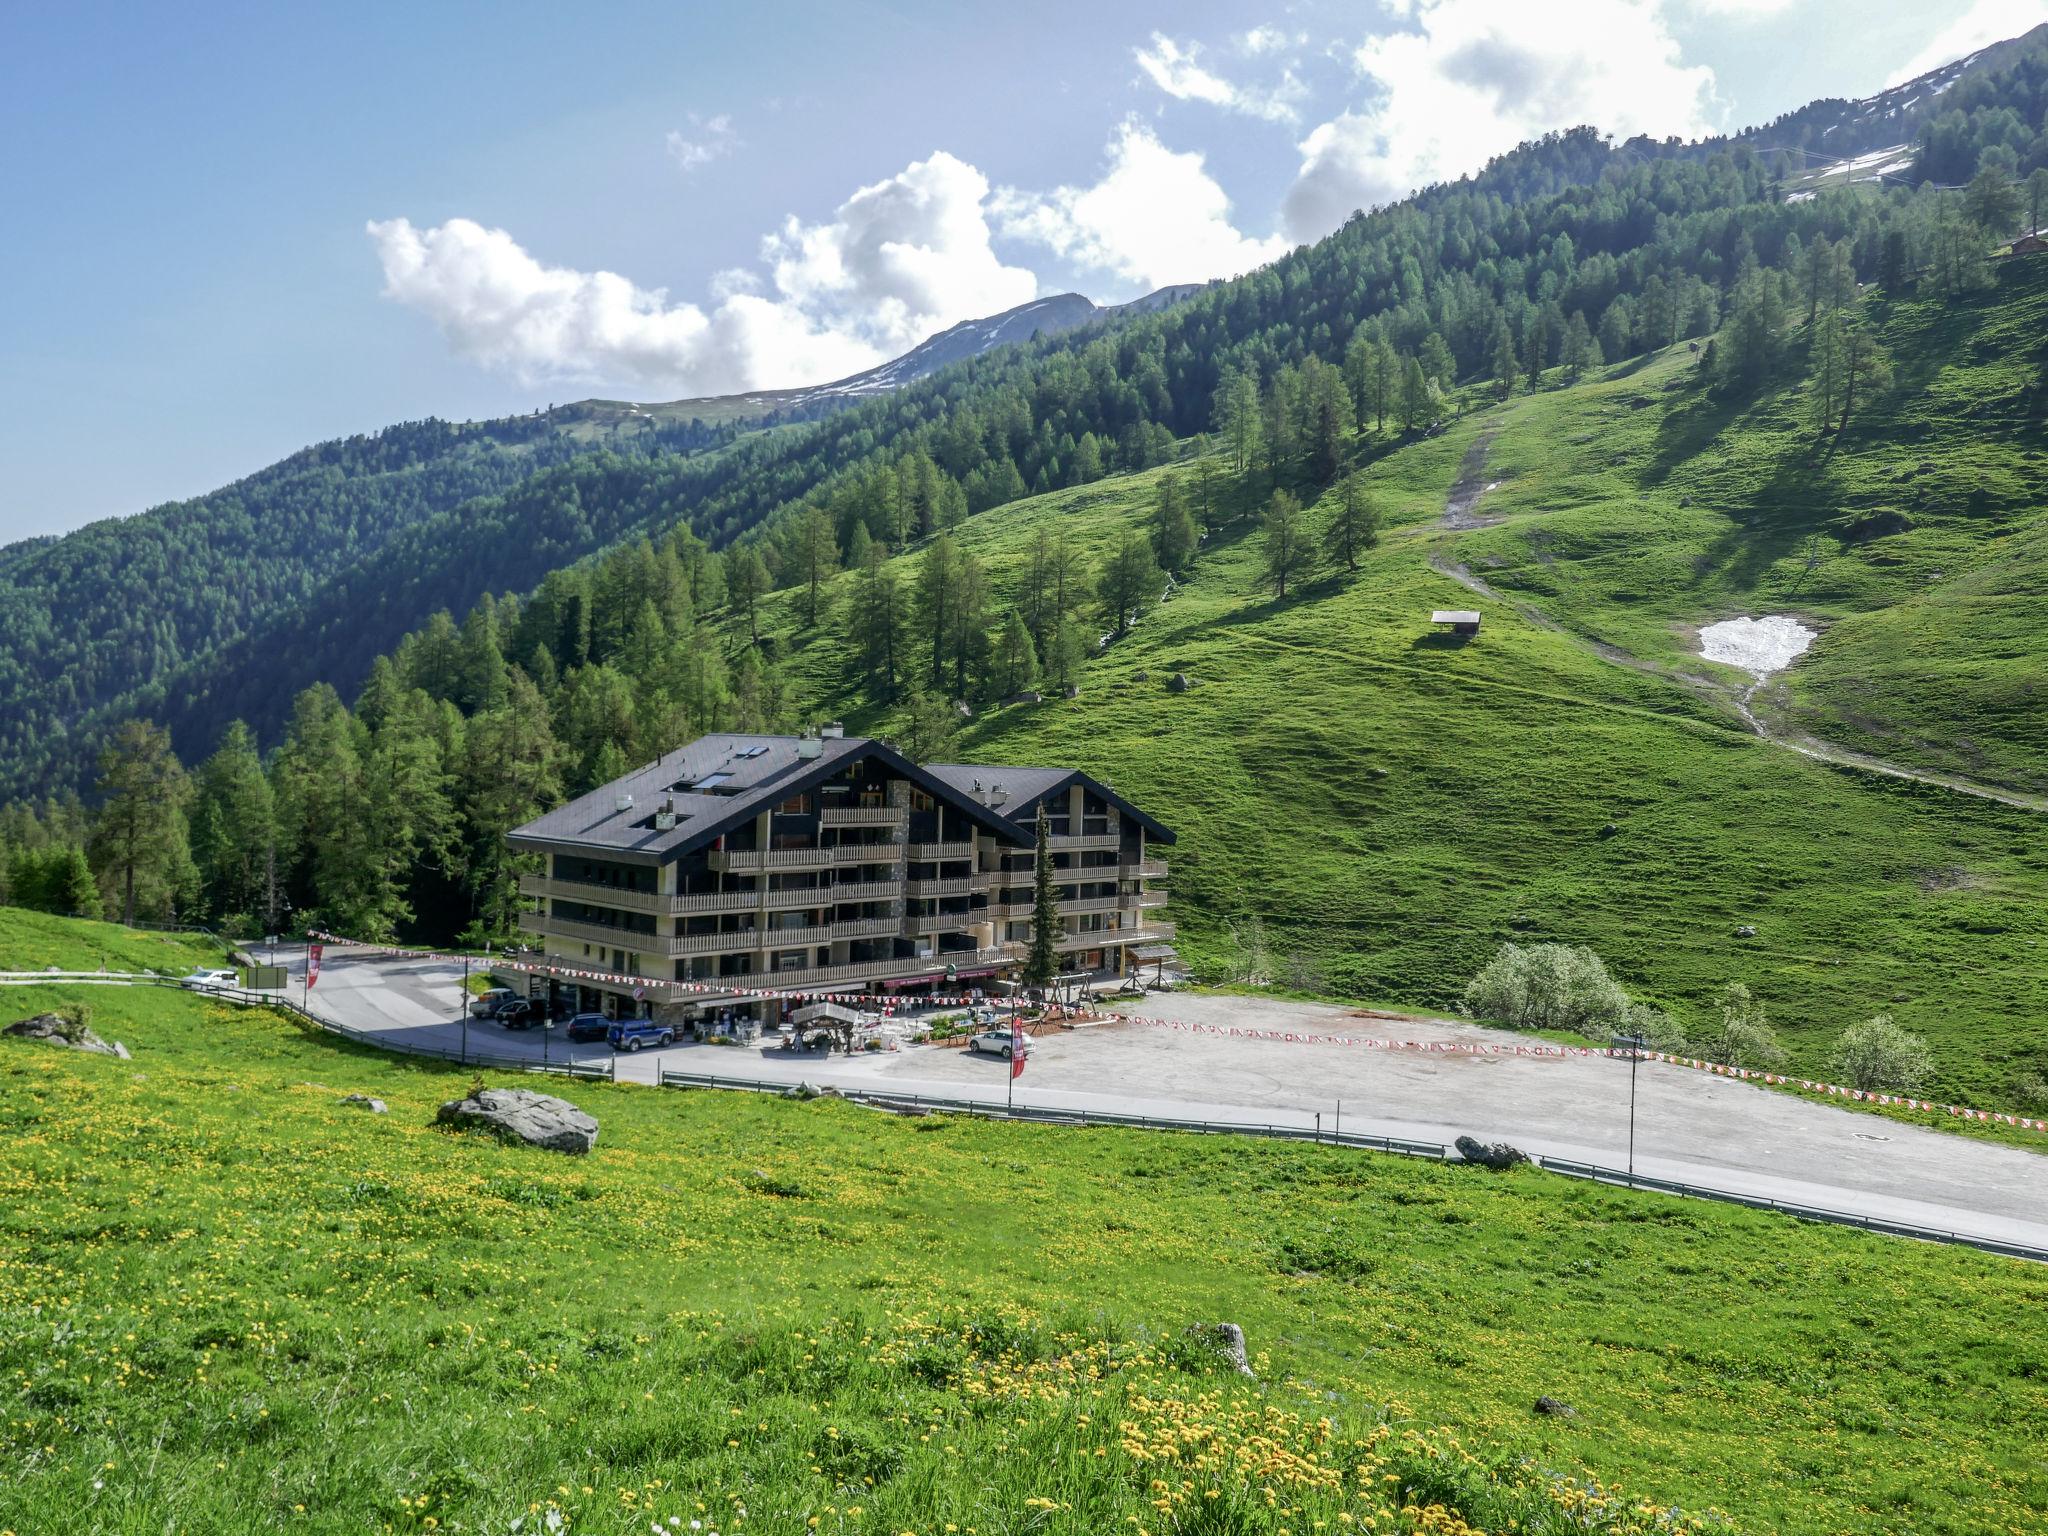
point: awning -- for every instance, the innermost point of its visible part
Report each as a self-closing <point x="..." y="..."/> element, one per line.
<point x="1157" y="952"/>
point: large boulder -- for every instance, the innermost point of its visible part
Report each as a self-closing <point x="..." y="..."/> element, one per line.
<point x="1497" y="1155"/>
<point x="519" y="1115"/>
<point x="55" y="1029"/>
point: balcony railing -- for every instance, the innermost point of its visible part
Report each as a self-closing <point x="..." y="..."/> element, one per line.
<point x="597" y="933"/>
<point x="1085" y="842"/>
<point x="958" y="886"/>
<point x="596" y="894"/>
<point x="1142" y="869"/>
<point x="1146" y="899"/>
<point x="754" y="860"/>
<point x="934" y="851"/>
<point x="866" y="853"/>
<point x="942" y="922"/>
<point x="862" y="816"/>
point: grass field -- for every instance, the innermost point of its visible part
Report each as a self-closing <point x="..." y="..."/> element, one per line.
<point x="1393" y="807"/>
<point x="37" y="941"/>
<point x="228" y="1303"/>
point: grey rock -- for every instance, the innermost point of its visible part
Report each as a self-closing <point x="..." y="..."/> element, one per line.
<point x="53" y="1029"/>
<point x="1746" y="931"/>
<point x="809" y="1090"/>
<point x="1178" y="683"/>
<point x="1073" y="690"/>
<point x="1497" y="1155"/>
<point x="517" y="1114"/>
<point x="1551" y="1408"/>
<point x="1227" y="1339"/>
<point x="364" y="1101"/>
<point x="1141" y="676"/>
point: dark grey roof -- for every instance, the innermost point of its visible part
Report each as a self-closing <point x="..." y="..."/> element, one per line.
<point x="715" y="783"/>
<point x="1023" y="788"/>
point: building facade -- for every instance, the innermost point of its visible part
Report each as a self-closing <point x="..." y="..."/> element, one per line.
<point x="743" y="864"/>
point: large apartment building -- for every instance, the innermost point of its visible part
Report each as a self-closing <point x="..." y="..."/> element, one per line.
<point x="742" y="864"/>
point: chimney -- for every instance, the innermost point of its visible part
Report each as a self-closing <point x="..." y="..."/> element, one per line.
<point x="808" y="747"/>
<point x="623" y="803"/>
<point x="832" y="731"/>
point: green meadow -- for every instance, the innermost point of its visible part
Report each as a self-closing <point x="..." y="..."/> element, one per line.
<point x="230" y="1303"/>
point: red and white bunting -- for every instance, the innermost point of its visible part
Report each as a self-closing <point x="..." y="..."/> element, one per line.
<point x="1477" y="1048"/>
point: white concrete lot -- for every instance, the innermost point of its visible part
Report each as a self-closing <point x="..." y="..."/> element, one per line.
<point x="1691" y="1126"/>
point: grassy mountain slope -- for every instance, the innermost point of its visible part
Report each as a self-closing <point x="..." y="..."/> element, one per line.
<point x="233" y="1304"/>
<point x="1393" y="806"/>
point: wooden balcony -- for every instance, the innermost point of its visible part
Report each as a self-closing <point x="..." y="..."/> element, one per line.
<point x="749" y="861"/>
<point x="1086" y="842"/>
<point x="862" y="816"/>
<point x="924" y="852"/>
<point x="1142" y="869"/>
<point x="959" y="886"/>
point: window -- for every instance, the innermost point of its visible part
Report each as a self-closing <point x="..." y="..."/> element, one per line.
<point x="711" y="781"/>
<point x="796" y="805"/>
<point x="752" y="752"/>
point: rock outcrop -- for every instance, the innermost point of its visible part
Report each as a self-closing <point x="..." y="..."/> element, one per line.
<point x="55" y="1029"/>
<point x="1497" y="1155"/>
<point x="519" y="1115"/>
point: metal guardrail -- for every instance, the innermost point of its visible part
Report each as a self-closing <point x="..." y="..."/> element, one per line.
<point x="1593" y="1173"/>
<point x="605" y="1071"/>
<point x="1429" y="1151"/>
<point x="1051" y="1115"/>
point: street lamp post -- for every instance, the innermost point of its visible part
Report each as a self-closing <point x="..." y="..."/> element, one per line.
<point x="1633" y="1044"/>
<point x="465" y="1006"/>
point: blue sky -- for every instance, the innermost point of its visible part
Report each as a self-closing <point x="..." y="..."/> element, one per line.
<point x="236" y="230"/>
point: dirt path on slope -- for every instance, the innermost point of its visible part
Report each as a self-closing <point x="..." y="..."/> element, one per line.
<point x="1460" y="517"/>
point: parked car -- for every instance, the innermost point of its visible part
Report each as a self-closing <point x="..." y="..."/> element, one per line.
<point x="589" y="1026"/>
<point x="521" y="1014"/>
<point x="632" y="1034"/>
<point x="997" y="1042"/>
<point x="488" y="1005"/>
<point x="204" y="979"/>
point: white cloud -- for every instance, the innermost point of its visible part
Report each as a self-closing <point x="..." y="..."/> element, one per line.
<point x="1476" y="77"/>
<point x="1739" y="8"/>
<point x="1985" y="22"/>
<point x="899" y="260"/>
<point x="1176" y="69"/>
<point x="1263" y="39"/>
<point x="1157" y="216"/>
<point x="715" y="138"/>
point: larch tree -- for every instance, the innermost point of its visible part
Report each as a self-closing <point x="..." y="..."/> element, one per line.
<point x="1354" y="523"/>
<point x="139" y="839"/>
<point x="1130" y="581"/>
<point x="815" y="556"/>
<point x="1286" y="550"/>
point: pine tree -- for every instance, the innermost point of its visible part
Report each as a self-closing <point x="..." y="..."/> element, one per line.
<point x="938" y="582"/>
<point x="1130" y="580"/>
<point x="1286" y="550"/>
<point x="1354" y="525"/>
<point x="1042" y="962"/>
<point x="878" y="627"/>
<point x="927" y="727"/>
<point x="1865" y="368"/>
<point x="1065" y="651"/>
<point x="815" y="556"/>
<point x="1173" y="531"/>
<point x="1016" y="659"/>
<point x="139" y="839"/>
<point x="1418" y="400"/>
<point x="1825" y="363"/>
<point x="1505" y="367"/>
<point x="234" y="827"/>
<point x="747" y="582"/>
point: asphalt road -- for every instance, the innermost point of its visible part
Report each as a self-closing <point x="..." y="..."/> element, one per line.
<point x="1690" y="1126"/>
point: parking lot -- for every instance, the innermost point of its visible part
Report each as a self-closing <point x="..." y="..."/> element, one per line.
<point x="1690" y="1125"/>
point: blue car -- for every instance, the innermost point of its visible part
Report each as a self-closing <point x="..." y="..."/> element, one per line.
<point x="632" y="1034"/>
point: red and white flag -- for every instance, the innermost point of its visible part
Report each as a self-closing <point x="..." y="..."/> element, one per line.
<point x="313" y="964"/>
<point x="1016" y="1050"/>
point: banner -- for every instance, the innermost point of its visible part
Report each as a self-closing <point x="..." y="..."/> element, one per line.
<point x="313" y="965"/>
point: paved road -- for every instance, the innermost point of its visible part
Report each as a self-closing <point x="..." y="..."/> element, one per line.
<point x="1691" y="1126"/>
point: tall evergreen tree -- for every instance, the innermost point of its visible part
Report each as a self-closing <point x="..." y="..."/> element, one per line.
<point x="1354" y="524"/>
<point x="1042" y="961"/>
<point x="1286" y="550"/>
<point x="1130" y="581"/>
<point x="1173" y="530"/>
<point x="139" y="839"/>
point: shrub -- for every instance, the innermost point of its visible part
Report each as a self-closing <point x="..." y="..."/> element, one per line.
<point x="77" y="1019"/>
<point x="1744" y="1037"/>
<point x="1546" y="986"/>
<point x="1657" y="1029"/>
<point x="1878" y="1054"/>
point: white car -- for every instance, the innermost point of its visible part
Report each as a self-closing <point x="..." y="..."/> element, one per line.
<point x="997" y="1042"/>
<point x="203" y="980"/>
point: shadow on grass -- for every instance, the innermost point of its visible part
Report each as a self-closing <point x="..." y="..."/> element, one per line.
<point x="1441" y="640"/>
